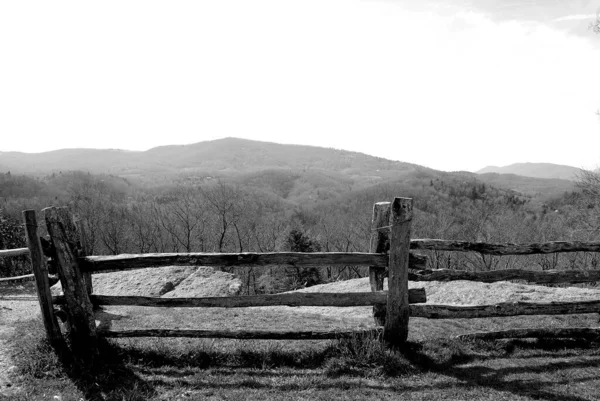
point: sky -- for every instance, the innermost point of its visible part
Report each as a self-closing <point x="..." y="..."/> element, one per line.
<point x="450" y="87"/>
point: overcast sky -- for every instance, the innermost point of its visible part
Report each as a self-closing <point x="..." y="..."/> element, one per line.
<point x="452" y="88"/>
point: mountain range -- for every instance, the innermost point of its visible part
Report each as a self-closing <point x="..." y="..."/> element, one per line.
<point x="536" y="170"/>
<point x="296" y="172"/>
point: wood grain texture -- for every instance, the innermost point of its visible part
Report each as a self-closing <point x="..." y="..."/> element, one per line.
<point x="416" y="295"/>
<point x="237" y="334"/>
<point x="589" y="333"/>
<point x="505" y="249"/>
<point x="42" y="284"/>
<point x="380" y="243"/>
<point x="503" y="309"/>
<point x="534" y="277"/>
<point x="137" y="261"/>
<point x="61" y="228"/>
<point x="397" y="314"/>
<point x="83" y="251"/>
<point x="5" y="253"/>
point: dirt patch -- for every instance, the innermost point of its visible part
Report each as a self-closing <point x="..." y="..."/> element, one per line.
<point x="17" y="303"/>
<point x="170" y="281"/>
<point x="455" y="293"/>
<point x="472" y="292"/>
<point x="205" y="282"/>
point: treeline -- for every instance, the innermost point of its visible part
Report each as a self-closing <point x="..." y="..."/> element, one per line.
<point x="227" y="216"/>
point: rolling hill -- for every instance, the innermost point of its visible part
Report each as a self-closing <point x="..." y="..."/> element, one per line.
<point x="222" y="156"/>
<point x="298" y="174"/>
<point x="535" y="170"/>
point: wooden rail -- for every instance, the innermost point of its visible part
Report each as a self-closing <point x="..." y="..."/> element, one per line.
<point x="536" y="277"/>
<point x="26" y="277"/>
<point x="390" y="253"/>
<point x="238" y="334"/>
<point x="4" y="253"/>
<point x="137" y="261"/>
<point x="416" y="295"/>
<point x="503" y="309"/>
<point x="123" y="262"/>
<point x="504" y="249"/>
<point x="589" y="333"/>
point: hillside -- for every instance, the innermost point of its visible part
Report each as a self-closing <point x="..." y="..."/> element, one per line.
<point x="542" y="189"/>
<point x="535" y="170"/>
<point x="295" y="173"/>
<point x="221" y="157"/>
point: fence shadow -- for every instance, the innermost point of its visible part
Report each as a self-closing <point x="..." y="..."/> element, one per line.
<point x="471" y="369"/>
<point x="112" y="378"/>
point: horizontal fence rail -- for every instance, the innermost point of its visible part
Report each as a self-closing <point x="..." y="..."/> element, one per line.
<point x="416" y="295"/>
<point x="122" y="262"/>
<point x="589" y="333"/>
<point x="503" y="309"/>
<point x="138" y="261"/>
<point x="389" y="256"/>
<point x="504" y="249"/>
<point x="13" y="252"/>
<point x="238" y="334"/>
<point x="26" y="277"/>
<point x="5" y="253"/>
<point x="535" y="277"/>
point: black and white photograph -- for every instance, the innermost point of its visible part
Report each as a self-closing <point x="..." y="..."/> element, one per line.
<point x="300" y="200"/>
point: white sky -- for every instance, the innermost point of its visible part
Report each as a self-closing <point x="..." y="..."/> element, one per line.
<point x="449" y="89"/>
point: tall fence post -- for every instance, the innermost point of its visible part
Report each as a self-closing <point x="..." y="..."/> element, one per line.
<point x="396" y="324"/>
<point x="63" y="233"/>
<point x="379" y="244"/>
<point x="84" y="251"/>
<point x="40" y="273"/>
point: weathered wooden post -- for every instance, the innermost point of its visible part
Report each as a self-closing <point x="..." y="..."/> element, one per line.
<point x="40" y="273"/>
<point x="379" y="244"/>
<point x="83" y="251"/>
<point x="63" y="233"/>
<point x="396" y="324"/>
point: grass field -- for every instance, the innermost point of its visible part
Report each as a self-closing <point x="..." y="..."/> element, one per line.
<point x="432" y="366"/>
<point x="359" y="368"/>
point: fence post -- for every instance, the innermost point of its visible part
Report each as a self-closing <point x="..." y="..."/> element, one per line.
<point x="379" y="244"/>
<point x="40" y="273"/>
<point x="396" y="324"/>
<point x="84" y="251"/>
<point x="63" y="233"/>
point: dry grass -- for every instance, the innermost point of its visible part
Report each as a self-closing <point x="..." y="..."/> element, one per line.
<point x="176" y="369"/>
<point x="433" y="365"/>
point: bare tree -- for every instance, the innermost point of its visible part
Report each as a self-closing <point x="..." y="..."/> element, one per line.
<point x="226" y="202"/>
<point x="184" y="217"/>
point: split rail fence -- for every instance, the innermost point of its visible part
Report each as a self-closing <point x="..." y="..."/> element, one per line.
<point x="390" y="256"/>
<point x="7" y="253"/>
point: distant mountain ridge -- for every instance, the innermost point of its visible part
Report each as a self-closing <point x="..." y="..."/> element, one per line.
<point x="217" y="155"/>
<point x="535" y="170"/>
<point x="296" y="173"/>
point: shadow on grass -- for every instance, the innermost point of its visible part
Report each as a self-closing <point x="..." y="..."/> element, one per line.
<point x="44" y="368"/>
<point x="499" y="379"/>
<point x="450" y="358"/>
<point x="144" y="369"/>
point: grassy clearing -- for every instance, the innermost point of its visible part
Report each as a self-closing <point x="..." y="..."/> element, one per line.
<point x="433" y="366"/>
<point x="356" y="368"/>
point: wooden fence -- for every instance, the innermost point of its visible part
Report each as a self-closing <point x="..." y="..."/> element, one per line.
<point x="390" y="255"/>
<point x="7" y="253"/>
